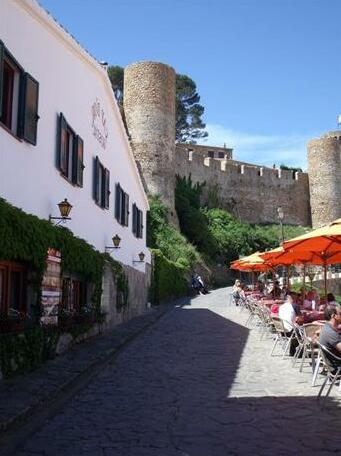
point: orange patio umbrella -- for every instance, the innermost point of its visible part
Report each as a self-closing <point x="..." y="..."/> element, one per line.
<point x="252" y="263"/>
<point x="324" y="239"/>
<point x="319" y="247"/>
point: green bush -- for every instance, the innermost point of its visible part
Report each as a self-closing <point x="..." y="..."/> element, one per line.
<point x="24" y="351"/>
<point x="163" y="236"/>
<point x="236" y="238"/>
<point x="215" y="232"/>
<point x="174" y="256"/>
<point x="169" y="278"/>
<point x="193" y="221"/>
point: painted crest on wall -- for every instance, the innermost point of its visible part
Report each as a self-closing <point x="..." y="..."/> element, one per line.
<point x="99" y="123"/>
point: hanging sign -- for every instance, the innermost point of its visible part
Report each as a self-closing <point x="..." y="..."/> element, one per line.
<point x="51" y="288"/>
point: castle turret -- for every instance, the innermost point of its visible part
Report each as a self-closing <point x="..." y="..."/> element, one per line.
<point x="324" y="169"/>
<point x="149" y="107"/>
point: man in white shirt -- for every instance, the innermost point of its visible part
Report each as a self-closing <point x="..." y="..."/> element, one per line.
<point x="287" y="313"/>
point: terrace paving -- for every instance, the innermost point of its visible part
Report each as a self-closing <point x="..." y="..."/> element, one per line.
<point x="197" y="382"/>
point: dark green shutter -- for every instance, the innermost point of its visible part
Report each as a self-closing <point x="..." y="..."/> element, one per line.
<point x="140" y="224"/>
<point x="126" y="209"/>
<point x="106" y="188"/>
<point x="117" y="202"/>
<point x="78" y="161"/>
<point x="134" y="223"/>
<point x="29" y="112"/>
<point x="2" y="53"/>
<point x="62" y="147"/>
<point x="96" y="177"/>
<point x="122" y="206"/>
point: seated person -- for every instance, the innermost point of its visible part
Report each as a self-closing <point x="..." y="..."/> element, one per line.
<point x="260" y="286"/>
<point x="276" y="291"/>
<point x="284" y="292"/>
<point x="329" y="336"/>
<point x="296" y="303"/>
<point x="331" y="300"/>
<point x="287" y="313"/>
<point x="315" y="299"/>
<point x="307" y="303"/>
<point x="237" y="292"/>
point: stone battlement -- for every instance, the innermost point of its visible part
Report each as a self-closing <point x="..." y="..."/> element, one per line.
<point x="231" y="167"/>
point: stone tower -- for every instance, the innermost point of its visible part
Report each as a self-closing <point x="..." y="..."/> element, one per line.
<point x="324" y="169"/>
<point x="149" y="108"/>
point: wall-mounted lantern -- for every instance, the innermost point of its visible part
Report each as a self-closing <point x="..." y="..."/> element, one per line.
<point x="141" y="256"/>
<point x="116" y="241"/>
<point x="64" y="209"/>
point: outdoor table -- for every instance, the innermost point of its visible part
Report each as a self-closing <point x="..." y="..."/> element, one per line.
<point x="312" y="316"/>
<point x="254" y="294"/>
<point x="271" y="302"/>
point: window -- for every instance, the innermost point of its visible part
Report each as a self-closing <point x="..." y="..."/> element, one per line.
<point x="221" y="154"/>
<point x="210" y="154"/>
<point x="74" y="294"/>
<point x="70" y="153"/>
<point x="137" y="221"/>
<point x="19" y="93"/>
<point x="101" y="184"/>
<point x="121" y="206"/>
<point x="12" y="288"/>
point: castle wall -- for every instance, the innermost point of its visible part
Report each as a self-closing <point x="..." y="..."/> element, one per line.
<point x="250" y="192"/>
<point x="324" y="167"/>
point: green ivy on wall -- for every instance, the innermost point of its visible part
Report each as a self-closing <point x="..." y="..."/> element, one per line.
<point x="169" y="279"/>
<point x="26" y="238"/>
<point x="122" y="282"/>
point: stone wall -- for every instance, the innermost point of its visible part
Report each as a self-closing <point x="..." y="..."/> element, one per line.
<point x="324" y="168"/>
<point x="138" y="295"/>
<point x="252" y="193"/>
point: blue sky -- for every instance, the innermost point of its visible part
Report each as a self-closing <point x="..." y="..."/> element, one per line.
<point x="268" y="71"/>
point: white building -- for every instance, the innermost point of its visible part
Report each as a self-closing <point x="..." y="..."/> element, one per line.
<point x="62" y="136"/>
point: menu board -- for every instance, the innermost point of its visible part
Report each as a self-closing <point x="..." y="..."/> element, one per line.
<point x="51" y="288"/>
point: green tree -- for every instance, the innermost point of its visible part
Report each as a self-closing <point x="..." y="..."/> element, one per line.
<point x="290" y="168"/>
<point x="193" y="221"/>
<point x="189" y="125"/>
<point x="116" y="76"/>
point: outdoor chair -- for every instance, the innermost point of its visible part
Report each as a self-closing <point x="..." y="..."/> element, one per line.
<point x="242" y="303"/>
<point x="283" y="336"/>
<point x="299" y="335"/>
<point x="310" y="348"/>
<point x="250" y="305"/>
<point x="268" y="322"/>
<point x="265" y="320"/>
<point x="332" y="364"/>
<point x="230" y="299"/>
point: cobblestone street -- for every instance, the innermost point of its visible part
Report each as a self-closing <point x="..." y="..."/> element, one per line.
<point x="196" y="383"/>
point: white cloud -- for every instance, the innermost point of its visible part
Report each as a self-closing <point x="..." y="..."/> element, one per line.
<point x="261" y="149"/>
